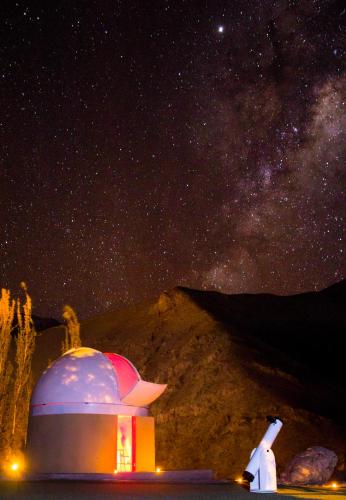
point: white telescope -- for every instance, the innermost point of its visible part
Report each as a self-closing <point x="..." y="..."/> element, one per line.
<point x="260" y="472"/>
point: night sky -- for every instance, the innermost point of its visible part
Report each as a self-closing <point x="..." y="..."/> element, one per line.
<point x="149" y="144"/>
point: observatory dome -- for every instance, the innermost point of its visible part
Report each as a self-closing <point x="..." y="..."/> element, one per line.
<point x="85" y="380"/>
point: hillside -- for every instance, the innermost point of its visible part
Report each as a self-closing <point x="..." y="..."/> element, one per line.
<point x="229" y="361"/>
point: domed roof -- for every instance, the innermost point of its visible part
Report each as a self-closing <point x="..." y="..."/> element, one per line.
<point x="88" y="381"/>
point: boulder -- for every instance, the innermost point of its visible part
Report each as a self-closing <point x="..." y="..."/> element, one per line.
<point x="315" y="465"/>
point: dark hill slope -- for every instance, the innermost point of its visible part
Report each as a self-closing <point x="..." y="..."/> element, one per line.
<point x="44" y="323"/>
<point x="310" y="328"/>
<point x="222" y="379"/>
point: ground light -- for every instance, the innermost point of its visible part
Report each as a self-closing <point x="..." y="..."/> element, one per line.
<point x="158" y="469"/>
<point x="334" y="485"/>
<point x="15" y="468"/>
<point x="239" y="480"/>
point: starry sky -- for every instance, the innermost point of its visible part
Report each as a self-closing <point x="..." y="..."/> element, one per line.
<point x="146" y="145"/>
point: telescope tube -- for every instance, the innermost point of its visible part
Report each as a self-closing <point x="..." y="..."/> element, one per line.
<point x="275" y="424"/>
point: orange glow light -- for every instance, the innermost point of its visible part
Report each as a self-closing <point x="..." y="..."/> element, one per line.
<point x="115" y="471"/>
<point x="333" y="485"/>
<point x="158" y="469"/>
<point x="239" y="480"/>
<point x="15" y="466"/>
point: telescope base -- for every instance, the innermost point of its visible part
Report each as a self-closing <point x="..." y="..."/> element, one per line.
<point x="265" y="478"/>
<point x="263" y="491"/>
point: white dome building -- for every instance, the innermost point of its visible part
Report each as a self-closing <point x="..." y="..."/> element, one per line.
<point x="89" y="413"/>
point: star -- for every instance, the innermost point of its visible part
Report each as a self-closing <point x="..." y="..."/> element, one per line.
<point x="221" y="29"/>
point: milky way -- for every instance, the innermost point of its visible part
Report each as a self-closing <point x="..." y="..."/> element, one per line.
<point x="146" y="145"/>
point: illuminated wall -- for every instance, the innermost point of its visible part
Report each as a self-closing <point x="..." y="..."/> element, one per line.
<point x="144" y="431"/>
<point x="72" y="443"/>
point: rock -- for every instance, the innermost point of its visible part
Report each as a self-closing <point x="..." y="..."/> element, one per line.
<point x="312" y="466"/>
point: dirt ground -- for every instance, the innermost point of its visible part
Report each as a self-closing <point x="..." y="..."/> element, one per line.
<point x="64" y="490"/>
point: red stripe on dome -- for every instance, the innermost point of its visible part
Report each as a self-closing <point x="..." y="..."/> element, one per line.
<point x="126" y="373"/>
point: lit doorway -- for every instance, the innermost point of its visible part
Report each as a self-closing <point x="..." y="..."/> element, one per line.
<point x="124" y="444"/>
